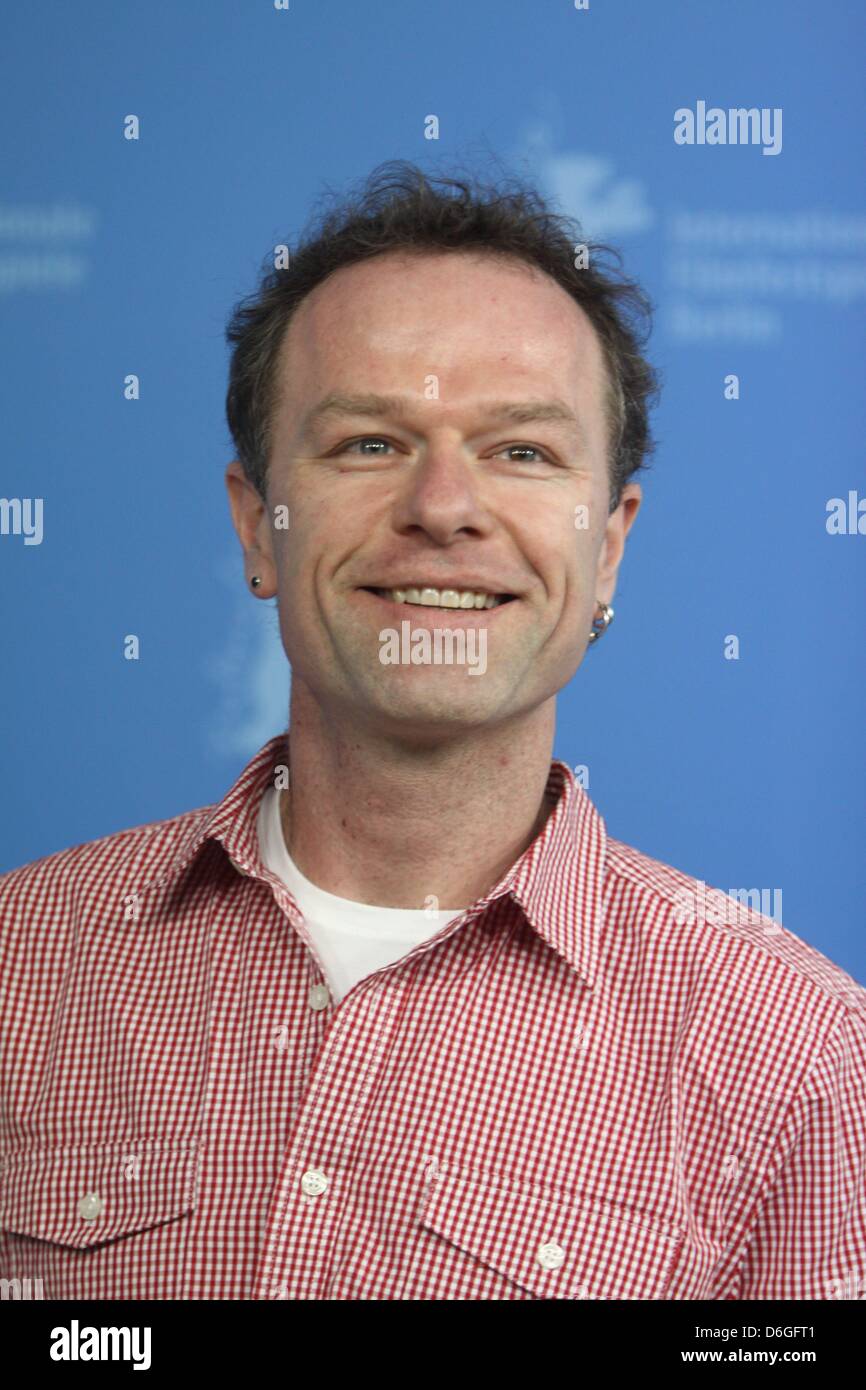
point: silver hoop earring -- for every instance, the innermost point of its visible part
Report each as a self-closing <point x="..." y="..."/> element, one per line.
<point x="601" y="622"/>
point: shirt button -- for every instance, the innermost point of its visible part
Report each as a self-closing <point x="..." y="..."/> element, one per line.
<point x="550" y="1256"/>
<point x="90" y="1207"/>
<point x="320" y="997"/>
<point x="314" y="1181"/>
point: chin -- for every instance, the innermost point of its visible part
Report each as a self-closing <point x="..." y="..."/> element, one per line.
<point x="429" y="714"/>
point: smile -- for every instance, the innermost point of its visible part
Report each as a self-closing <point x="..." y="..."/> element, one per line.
<point x="428" y="597"/>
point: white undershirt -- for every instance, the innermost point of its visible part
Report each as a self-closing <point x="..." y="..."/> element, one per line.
<point x="352" y="939"/>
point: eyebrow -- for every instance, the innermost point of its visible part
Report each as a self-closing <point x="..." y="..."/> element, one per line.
<point x="338" y="404"/>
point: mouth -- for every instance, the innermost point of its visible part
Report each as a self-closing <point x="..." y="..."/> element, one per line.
<point x="453" y="600"/>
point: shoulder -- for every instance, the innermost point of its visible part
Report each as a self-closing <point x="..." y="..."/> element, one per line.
<point x="83" y="873"/>
<point x="737" y="967"/>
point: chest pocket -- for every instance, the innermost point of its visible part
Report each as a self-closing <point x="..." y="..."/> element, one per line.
<point x="516" y="1243"/>
<point x="83" y="1195"/>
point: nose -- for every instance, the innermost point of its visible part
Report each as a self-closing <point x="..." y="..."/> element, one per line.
<point x="442" y="496"/>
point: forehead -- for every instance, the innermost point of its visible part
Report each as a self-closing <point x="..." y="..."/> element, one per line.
<point x="482" y="323"/>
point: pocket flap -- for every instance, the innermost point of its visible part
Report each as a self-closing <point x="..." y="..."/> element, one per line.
<point x="554" y="1246"/>
<point x="83" y="1194"/>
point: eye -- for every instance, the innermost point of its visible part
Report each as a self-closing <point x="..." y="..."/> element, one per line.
<point x="521" y="453"/>
<point x="526" y="449"/>
<point x="365" y="439"/>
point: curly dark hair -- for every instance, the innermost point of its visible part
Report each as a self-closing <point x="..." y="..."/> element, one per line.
<point x="400" y="207"/>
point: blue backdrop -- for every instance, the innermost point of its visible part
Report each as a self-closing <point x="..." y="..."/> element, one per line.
<point x="122" y="256"/>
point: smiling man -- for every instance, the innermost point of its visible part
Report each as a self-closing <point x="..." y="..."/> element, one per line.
<point x="398" y="1018"/>
<point x="438" y="428"/>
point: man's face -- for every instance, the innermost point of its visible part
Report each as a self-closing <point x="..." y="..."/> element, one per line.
<point x="440" y="489"/>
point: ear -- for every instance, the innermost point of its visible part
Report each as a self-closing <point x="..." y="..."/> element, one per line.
<point x="618" y="525"/>
<point x="251" y="520"/>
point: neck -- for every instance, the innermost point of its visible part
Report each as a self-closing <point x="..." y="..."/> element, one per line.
<point x="394" y="824"/>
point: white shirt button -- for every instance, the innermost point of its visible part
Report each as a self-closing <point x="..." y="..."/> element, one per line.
<point x="314" y="1181"/>
<point x="90" y="1207"/>
<point x="550" y="1256"/>
<point x="320" y="997"/>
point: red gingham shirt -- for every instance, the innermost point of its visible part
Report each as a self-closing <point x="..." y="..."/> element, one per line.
<point x="571" y="1091"/>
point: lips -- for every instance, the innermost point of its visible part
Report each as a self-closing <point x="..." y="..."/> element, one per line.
<point x="451" y="600"/>
<point x="430" y="614"/>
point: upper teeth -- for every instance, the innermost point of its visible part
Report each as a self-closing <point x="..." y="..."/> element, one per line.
<point x="443" y="598"/>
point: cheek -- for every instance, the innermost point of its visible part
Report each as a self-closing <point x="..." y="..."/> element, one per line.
<point x="302" y="541"/>
<point x="564" y="559"/>
<point x="572" y="593"/>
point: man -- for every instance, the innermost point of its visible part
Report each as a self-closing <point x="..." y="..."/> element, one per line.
<point x="397" y="1019"/>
